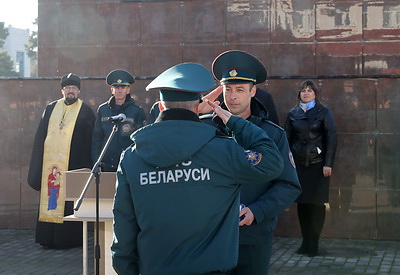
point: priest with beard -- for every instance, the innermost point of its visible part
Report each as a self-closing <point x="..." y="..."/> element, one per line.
<point x="62" y="142"/>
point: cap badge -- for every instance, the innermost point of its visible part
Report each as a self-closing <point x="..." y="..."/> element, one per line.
<point x="233" y="73"/>
<point x="69" y="75"/>
<point x="119" y="81"/>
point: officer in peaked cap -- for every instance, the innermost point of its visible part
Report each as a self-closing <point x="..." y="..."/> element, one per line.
<point x="182" y="166"/>
<point x="121" y="102"/>
<point x="238" y="70"/>
<point x="183" y="82"/>
<point x="238" y="67"/>
<point x="238" y="73"/>
<point x="119" y="78"/>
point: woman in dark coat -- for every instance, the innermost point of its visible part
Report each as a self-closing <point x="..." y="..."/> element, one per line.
<point x="311" y="131"/>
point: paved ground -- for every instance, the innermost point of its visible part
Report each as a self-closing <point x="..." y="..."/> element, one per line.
<point x="20" y="255"/>
<point x="341" y="257"/>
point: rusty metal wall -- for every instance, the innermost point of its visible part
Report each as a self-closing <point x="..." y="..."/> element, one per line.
<point x="326" y="40"/>
<point x="365" y="187"/>
<point x="308" y="37"/>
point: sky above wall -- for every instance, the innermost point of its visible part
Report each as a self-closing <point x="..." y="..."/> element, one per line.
<point x="19" y="13"/>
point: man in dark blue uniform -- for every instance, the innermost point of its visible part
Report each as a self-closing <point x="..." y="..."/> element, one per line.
<point x="238" y="73"/>
<point x="176" y="207"/>
<point x="121" y="102"/>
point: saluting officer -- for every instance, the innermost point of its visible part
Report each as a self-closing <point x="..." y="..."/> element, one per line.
<point x="121" y="102"/>
<point x="238" y="73"/>
<point x="176" y="207"/>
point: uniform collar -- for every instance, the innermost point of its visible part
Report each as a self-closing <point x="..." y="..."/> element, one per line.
<point x="177" y="114"/>
<point x="128" y="98"/>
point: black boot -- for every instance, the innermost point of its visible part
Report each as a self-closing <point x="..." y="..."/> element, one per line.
<point x="304" y="220"/>
<point x="317" y="215"/>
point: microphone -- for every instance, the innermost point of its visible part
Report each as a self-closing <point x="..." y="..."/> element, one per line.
<point x="117" y="118"/>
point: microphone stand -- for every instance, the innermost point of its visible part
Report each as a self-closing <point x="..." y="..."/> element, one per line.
<point x="95" y="172"/>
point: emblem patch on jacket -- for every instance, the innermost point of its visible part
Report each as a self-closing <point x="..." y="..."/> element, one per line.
<point x="253" y="157"/>
<point x="126" y="129"/>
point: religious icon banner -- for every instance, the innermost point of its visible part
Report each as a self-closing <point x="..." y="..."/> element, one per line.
<point x="55" y="160"/>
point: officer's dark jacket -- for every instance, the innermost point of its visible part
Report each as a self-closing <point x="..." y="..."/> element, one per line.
<point x="268" y="200"/>
<point x="135" y="118"/>
<point x="312" y="135"/>
<point x="176" y="207"/>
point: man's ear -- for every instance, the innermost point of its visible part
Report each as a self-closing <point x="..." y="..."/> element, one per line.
<point x="253" y="90"/>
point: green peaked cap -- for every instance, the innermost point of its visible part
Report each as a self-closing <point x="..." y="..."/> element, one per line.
<point x="238" y="67"/>
<point x="183" y="82"/>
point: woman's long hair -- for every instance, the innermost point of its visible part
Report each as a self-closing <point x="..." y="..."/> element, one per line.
<point x="310" y="84"/>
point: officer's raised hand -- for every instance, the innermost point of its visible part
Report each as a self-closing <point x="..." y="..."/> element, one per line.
<point x="212" y="96"/>
<point x="223" y="114"/>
